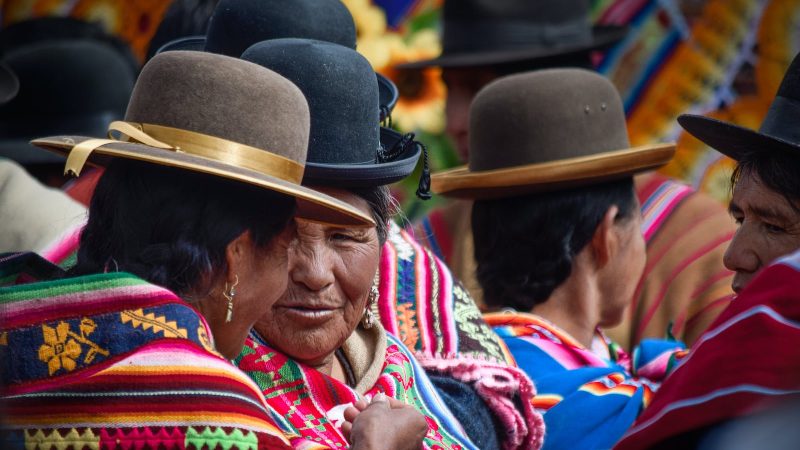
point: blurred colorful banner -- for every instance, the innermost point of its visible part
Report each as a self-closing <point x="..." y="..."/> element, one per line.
<point x="724" y="58"/>
<point x="719" y="57"/>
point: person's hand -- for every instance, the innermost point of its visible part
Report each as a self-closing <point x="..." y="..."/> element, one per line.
<point x="385" y="423"/>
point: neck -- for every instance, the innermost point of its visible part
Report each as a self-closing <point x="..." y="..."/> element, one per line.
<point x="326" y="365"/>
<point x="574" y="305"/>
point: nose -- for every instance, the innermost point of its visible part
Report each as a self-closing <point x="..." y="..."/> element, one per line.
<point x="311" y="265"/>
<point x="740" y="256"/>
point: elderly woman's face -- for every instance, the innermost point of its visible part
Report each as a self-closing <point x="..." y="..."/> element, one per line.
<point x="769" y="227"/>
<point x="331" y="272"/>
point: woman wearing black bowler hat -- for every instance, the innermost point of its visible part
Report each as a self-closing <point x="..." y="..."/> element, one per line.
<point x="342" y="154"/>
<point x="325" y="327"/>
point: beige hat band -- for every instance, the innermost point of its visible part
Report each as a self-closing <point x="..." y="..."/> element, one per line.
<point x="192" y="143"/>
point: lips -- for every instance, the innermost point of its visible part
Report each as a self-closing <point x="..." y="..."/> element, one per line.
<point x="309" y="316"/>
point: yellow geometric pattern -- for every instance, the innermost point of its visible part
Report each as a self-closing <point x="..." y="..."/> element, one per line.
<point x="39" y="440"/>
<point x="138" y="318"/>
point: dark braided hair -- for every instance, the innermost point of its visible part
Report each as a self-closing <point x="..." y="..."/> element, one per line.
<point x="525" y="246"/>
<point x="171" y="226"/>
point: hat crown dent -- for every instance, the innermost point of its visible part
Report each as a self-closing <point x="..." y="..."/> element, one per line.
<point x="545" y="116"/>
<point x="238" y="24"/>
<point x="342" y="93"/>
<point x="222" y="97"/>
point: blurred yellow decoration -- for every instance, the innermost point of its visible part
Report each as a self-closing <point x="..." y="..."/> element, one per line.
<point x="692" y="73"/>
<point x="370" y="19"/>
<point x="422" y="92"/>
<point x="778" y="37"/>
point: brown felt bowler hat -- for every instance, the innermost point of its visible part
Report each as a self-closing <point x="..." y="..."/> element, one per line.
<point x="546" y="130"/>
<point x="217" y="115"/>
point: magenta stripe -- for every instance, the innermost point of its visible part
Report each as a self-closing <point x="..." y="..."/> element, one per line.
<point x="662" y="206"/>
<point x="422" y="295"/>
<point x="65" y="245"/>
<point x="388" y="288"/>
<point x="446" y="307"/>
<point x="50" y="308"/>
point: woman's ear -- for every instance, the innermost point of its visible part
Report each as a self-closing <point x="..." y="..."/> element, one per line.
<point x="605" y="242"/>
<point x="238" y="255"/>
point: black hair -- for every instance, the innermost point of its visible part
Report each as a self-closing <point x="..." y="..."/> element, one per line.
<point x="171" y="226"/>
<point x="382" y="206"/>
<point x="778" y="170"/>
<point x="525" y="246"/>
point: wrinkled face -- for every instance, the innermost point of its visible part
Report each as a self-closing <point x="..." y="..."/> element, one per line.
<point x="624" y="270"/>
<point x="331" y="272"/>
<point x="769" y="227"/>
<point x="462" y="85"/>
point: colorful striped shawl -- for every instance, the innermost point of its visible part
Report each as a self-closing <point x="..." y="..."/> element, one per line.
<point x="422" y="304"/>
<point x="309" y="399"/>
<point x="746" y="361"/>
<point x="588" y="397"/>
<point x="684" y="285"/>
<point x="434" y="316"/>
<point x="111" y="361"/>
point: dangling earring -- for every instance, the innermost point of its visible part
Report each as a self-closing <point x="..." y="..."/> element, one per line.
<point x="368" y="321"/>
<point x="229" y="294"/>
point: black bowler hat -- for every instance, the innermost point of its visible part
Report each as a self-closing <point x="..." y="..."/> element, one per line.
<point x="73" y="79"/>
<point x="779" y="131"/>
<point x="347" y="147"/>
<point x="238" y="24"/>
<point x="490" y="32"/>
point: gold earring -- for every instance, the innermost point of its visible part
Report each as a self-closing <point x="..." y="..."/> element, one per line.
<point x="368" y="321"/>
<point x="229" y="294"/>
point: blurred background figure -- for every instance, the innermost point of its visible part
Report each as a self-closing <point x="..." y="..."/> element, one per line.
<point x="482" y="41"/>
<point x="73" y="79"/>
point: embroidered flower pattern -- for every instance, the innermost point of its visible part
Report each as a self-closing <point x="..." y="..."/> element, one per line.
<point x="59" y="350"/>
<point x="62" y="346"/>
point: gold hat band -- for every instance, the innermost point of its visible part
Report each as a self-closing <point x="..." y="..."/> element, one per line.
<point x="192" y="143"/>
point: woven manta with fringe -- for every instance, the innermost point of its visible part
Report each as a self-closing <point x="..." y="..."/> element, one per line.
<point x="751" y="350"/>
<point x="111" y="361"/>
<point x="588" y="397"/>
<point x="421" y="303"/>
<point x="311" y="401"/>
<point x="437" y="319"/>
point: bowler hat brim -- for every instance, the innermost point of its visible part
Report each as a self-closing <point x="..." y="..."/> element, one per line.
<point x="366" y="175"/>
<point x="387" y="91"/>
<point x="732" y="140"/>
<point x="602" y="37"/>
<point x="315" y="205"/>
<point x="552" y="175"/>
